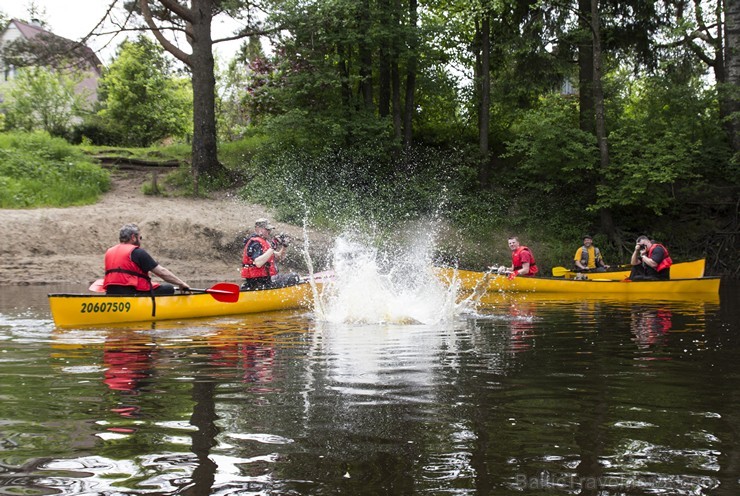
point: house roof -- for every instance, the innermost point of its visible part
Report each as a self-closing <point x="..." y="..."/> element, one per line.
<point x="31" y="31"/>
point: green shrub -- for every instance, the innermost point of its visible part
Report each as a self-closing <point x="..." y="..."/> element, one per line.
<point x="37" y="170"/>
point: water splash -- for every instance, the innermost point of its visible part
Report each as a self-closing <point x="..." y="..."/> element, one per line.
<point x="396" y="285"/>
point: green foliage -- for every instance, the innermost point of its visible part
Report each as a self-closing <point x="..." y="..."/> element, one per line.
<point x="551" y="151"/>
<point x="44" y="99"/>
<point x="142" y="101"/>
<point x="37" y="170"/>
<point x="239" y="89"/>
<point x="664" y="135"/>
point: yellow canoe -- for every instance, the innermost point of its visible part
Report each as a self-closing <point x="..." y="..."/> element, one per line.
<point x="681" y="300"/>
<point x="69" y="310"/>
<point x="470" y="280"/>
<point x="681" y="270"/>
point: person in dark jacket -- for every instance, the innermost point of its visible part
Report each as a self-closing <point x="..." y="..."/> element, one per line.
<point x="650" y="261"/>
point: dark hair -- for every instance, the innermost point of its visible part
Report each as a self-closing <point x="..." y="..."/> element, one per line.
<point x="642" y="238"/>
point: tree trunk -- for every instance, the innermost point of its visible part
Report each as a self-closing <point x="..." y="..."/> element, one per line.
<point x="205" y="153"/>
<point x="366" y="57"/>
<point x="384" y="83"/>
<point x="410" y="76"/>
<point x="343" y="68"/>
<point x="607" y="222"/>
<point x="396" y="74"/>
<point x="587" y="119"/>
<point x="484" y="106"/>
<point x="396" y="100"/>
<point x="729" y="103"/>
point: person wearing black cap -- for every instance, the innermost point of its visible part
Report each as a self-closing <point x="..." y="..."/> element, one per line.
<point x="128" y="267"/>
<point x="588" y="257"/>
<point x="262" y="251"/>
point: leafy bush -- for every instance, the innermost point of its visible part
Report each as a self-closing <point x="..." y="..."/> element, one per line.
<point x="37" y="170"/>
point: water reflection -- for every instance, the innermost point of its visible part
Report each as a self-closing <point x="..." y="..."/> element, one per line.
<point x="530" y="395"/>
<point x="650" y="326"/>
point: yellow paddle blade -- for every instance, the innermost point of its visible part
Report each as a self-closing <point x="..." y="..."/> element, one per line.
<point x="559" y="271"/>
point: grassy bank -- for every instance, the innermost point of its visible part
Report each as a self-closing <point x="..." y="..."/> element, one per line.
<point x="37" y="170"/>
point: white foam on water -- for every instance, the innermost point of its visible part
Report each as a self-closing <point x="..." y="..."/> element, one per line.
<point x="396" y="285"/>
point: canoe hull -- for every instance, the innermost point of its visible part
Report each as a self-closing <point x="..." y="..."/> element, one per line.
<point x="70" y="310"/>
<point x="470" y="280"/>
<point x="682" y="270"/>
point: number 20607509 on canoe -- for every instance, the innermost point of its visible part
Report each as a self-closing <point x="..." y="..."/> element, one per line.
<point x="69" y="310"/>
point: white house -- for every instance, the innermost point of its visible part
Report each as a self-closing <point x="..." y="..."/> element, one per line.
<point x="51" y="50"/>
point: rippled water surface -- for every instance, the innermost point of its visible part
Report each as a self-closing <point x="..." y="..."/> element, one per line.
<point x="524" y="396"/>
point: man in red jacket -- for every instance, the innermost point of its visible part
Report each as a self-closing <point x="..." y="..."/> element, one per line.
<point x="261" y="253"/>
<point x="127" y="267"/>
<point x="522" y="260"/>
<point x="650" y="261"/>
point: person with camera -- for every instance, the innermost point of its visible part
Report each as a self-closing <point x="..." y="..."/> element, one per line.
<point x="262" y="251"/>
<point x="588" y="257"/>
<point x="650" y="261"/>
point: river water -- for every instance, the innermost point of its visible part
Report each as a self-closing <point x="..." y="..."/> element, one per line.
<point x="520" y="395"/>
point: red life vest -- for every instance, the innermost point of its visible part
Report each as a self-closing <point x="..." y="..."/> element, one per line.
<point x="251" y="271"/>
<point x="516" y="260"/>
<point x="666" y="262"/>
<point x="122" y="271"/>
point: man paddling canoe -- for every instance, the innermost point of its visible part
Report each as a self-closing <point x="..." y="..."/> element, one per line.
<point x="127" y="268"/>
<point x="522" y="260"/>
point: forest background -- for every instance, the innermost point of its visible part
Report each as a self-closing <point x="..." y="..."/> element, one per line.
<point x="542" y="119"/>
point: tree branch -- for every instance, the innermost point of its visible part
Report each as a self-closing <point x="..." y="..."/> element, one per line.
<point x="183" y="12"/>
<point x="183" y="57"/>
<point x="245" y="33"/>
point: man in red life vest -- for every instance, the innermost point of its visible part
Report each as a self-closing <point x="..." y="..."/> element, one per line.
<point x="127" y="267"/>
<point x="522" y="260"/>
<point x="262" y="251"/>
<point x="650" y="261"/>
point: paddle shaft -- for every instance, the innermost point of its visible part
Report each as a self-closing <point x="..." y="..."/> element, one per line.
<point x="561" y="271"/>
<point x="226" y="292"/>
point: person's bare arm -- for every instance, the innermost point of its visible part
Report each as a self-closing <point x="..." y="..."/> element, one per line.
<point x="264" y="258"/>
<point x="168" y="276"/>
<point x="524" y="269"/>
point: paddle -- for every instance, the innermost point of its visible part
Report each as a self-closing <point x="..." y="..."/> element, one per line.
<point x="482" y="286"/>
<point x="225" y="292"/>
<point x="561" y="271"/>
<point x="97" y="286"/>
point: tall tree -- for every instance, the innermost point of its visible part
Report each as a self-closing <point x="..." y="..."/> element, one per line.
<point x="411" y="68"/>
<point x="731" y="97"/>
<point x="141" y="99"/>
<point x="484" y="76"/>
<point x="710" y="30"/>
<point x="607" y="221"/>
<point x="169" y="21"/>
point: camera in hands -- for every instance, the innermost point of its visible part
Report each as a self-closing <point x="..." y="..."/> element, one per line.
<point x="283" y="239"/>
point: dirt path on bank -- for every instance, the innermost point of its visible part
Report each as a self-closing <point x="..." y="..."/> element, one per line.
<point x="198" y="239"/>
